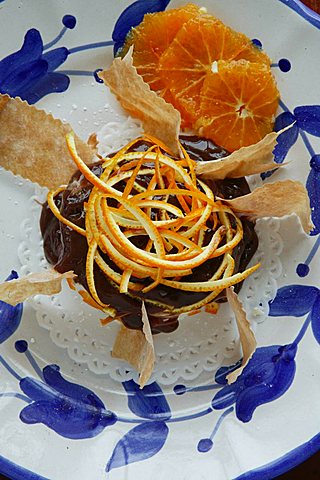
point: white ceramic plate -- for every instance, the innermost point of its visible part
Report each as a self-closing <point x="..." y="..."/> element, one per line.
<point x="65" y="415"/>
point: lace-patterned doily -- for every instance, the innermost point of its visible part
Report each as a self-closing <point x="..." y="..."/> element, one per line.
<point x="202" y="341"/>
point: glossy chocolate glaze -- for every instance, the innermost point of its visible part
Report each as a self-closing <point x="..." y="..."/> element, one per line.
<point x="66" y="249"/>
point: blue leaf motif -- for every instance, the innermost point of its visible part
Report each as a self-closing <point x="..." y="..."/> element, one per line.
<point x="287" y="138"/>
<point x="148" y="402"/>
<point x="142" y="442"/>
<point x="308" y="118"/>
<point x="10" y="317"/>
<point x="132" y="16"/>
<point x="315" y="319"/>
<point x="267" y="376"/>
<point x="313" y="187"/>
<point x="293" y="300"/>
<point x="71" y="410"/>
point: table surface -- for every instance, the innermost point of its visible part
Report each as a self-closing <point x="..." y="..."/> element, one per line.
<point x="310" y="470"/>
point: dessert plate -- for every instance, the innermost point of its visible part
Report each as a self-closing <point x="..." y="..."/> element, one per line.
<point x="68" y="412"/>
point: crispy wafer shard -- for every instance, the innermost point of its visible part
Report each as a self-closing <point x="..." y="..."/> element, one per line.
<point x="43" y="283"/>
<point x="33" y="144"/>
<point x="257" y="158"/>
<point x="158" y="117"/>
<point x="276" y="200"/>
<point x="136" y="347"/>
<point x="247" y="338"/>
<point x="147" y="362"/>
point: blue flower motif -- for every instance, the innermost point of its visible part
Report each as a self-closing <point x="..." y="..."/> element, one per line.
<point x="271" y="370"/>
<point x="306" y="119"/>
<point x="10" y="317"/>
<point x="71" y="410"/>
<point x="132" y="16"/>
<point x="267" y="376"/>
<point x="29" y="73"/>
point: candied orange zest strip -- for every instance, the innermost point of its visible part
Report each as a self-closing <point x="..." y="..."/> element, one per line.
<point x="50" y="199"/>
<point x="152" y="183"/>
<point x="158" y="175"/>
<point x="212" y="307"/>
<point x="118" y="156"/>
<point x="157" y="142"/>
<point x="181" y="199"/>
<point x="149" y="245"/>
<point x="174" y="192"/>
<point x="172" y="235"/>
<point x="214" y="217"/>
<point x="129" y="186"/>
<point x="191" y="165"/>
<point x="137" y="269"/>
<point x="125" y="278"/>
<point x="208" y="286"/>
<point x="89" y="300"/>
<point x="129" y="165"/>
<point x="194" y="312"/>
<point x="71" y="283"/>
<point x="153" y="233"/>
<point x="92" y="248"/>
<point x="91" y="177"/>
<point x="200" y="237"/>
<point x="106" y="321"/>
<point x="225" y="270"/>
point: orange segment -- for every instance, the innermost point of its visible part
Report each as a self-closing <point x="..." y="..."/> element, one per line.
<point x="151" y="38"/>
<point x="237" y="104"/>
<point x="200" y="43"/>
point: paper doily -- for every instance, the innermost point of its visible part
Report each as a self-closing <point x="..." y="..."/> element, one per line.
<point x="202" y="341"/>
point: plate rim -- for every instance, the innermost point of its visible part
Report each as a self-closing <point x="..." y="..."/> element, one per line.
<point x="277" y="467"/>
<point x="305" y="12"/>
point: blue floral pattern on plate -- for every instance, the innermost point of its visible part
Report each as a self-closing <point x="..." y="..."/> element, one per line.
<point x="10" y="316"/>
<point x="74" y="411"/>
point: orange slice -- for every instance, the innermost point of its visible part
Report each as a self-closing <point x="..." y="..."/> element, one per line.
<point x="192" y="55"/>
<point x="151" y="38"/>
<point x="237" y="104"/>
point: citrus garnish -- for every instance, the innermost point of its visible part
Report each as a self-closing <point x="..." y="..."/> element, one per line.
<point x="152" y="197"/>
<point x="180" y="64"/>
<point x="193" y="54"/>
<point x="151" y="38"/>
<point x="237" y="104"/>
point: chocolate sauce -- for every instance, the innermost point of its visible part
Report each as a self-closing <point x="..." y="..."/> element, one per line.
<point x="66" y="250"/>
